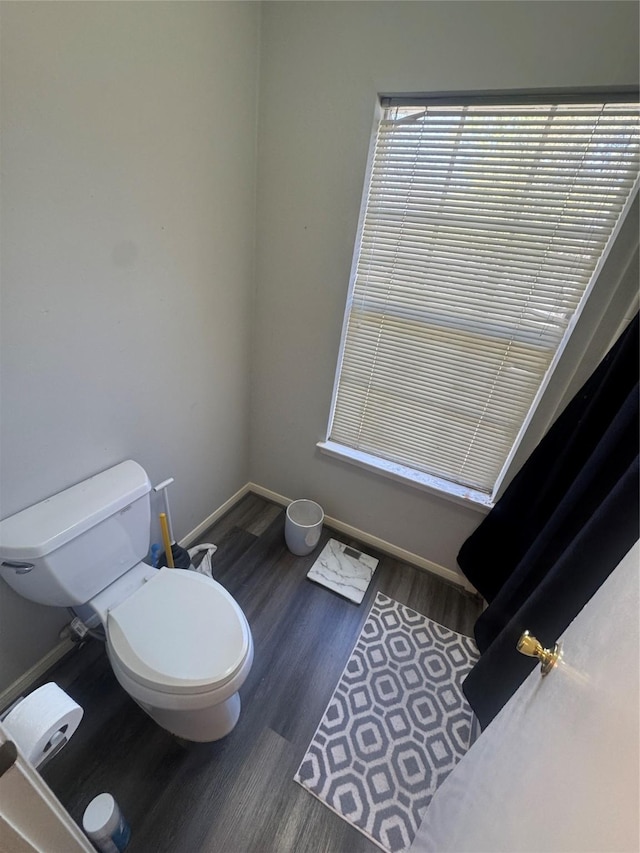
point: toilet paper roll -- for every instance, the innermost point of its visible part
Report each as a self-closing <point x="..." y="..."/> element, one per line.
<point x="41" y="719"/>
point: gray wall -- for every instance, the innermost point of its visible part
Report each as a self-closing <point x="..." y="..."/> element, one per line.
<point x="128" y="194"/>
<point x="322" y="65"/>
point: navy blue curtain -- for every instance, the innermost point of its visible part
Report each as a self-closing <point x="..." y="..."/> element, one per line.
<point x="560" y="529"/>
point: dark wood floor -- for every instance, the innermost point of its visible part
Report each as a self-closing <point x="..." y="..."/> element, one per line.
<point x="238" y="795"/>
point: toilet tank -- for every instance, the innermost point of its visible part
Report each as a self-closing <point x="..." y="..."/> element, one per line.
<point x="67" y="548"/>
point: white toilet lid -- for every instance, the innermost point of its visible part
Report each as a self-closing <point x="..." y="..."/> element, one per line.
<point x="181" y="632"/>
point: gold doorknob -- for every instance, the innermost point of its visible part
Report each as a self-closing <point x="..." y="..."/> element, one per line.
<point x="532" y="647"/>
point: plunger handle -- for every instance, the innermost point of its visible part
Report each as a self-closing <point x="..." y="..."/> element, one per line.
<point x="164" y="527"/>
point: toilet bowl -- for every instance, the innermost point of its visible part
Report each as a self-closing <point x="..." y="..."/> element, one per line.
<point x="177" y="641"/>
<point x="181" y="647"/>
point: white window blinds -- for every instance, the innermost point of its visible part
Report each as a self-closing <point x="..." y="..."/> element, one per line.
<point x="483" y="228"/>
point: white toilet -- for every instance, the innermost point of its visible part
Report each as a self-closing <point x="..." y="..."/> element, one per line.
<point x="177" y="641"/>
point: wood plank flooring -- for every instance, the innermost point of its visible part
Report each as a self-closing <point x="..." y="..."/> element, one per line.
<point x="238" y="795"/>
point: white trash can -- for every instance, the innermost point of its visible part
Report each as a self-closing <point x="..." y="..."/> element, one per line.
<point x="303" y="526"/>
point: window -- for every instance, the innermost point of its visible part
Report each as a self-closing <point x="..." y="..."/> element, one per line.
<point x="484" y="226"/>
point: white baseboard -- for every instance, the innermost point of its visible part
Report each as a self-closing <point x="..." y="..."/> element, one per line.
<point x="375" y="542"/>
<point x="22" y="685"/>
<point x="194" y="534"/>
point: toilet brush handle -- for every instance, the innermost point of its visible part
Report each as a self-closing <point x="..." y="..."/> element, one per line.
<point x="162" y="487"/>
<point x="164" y="527"/>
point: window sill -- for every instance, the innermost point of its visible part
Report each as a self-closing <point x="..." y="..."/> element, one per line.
<point x="462" y="495"/>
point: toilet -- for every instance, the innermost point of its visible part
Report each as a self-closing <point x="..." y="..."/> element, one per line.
<point x="177" y="641"/>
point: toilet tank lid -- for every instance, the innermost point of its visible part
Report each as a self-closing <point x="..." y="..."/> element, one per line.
<point x="42" y="528"/>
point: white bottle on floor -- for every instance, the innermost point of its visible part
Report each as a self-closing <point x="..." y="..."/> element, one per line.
<point x="105" y="825"/>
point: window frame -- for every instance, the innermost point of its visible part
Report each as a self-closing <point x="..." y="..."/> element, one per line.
<point x="539" y="416"/>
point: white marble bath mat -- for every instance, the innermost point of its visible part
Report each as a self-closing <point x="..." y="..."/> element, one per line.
<point x="344" y="570"/>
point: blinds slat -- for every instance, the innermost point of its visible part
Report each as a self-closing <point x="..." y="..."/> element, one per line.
<point x="388" y="263"/>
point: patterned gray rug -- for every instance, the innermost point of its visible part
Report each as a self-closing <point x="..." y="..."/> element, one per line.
<point x="396" y="725"/>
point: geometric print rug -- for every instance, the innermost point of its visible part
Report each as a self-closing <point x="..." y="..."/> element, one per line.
<point x="396" y="725"/>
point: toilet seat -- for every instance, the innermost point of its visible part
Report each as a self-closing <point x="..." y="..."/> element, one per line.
<point x="180" y="633"/>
